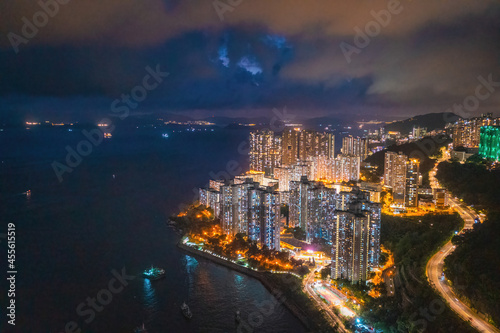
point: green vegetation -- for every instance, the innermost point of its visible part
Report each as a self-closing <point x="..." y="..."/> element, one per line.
<point x="195" y="219"/>
<point x="415" y="307"/>
<point x="199" y="224"/>
<point x="430" y="121"/>
<point x="474" y="267"/>
<point x="325" y="272"/>
<point x="472" y="182"/>
<point x="298" y="233"/>
<point x="424" y="150"/>
<point x="370" y="174"/>
<point x="285" y="211"/>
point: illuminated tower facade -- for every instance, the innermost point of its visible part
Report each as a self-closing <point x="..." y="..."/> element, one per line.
<point x="356" y="241"/>
<point x="412" y="182"/>
<point x="395" y="175"/>
<point x="265" y="151"/>
<point x="290" y="146"/>
<point x="467" y="132"/>
<point x="355" y="146"/>
<point x="270" y="217"/>
<point x="489" y="146"/>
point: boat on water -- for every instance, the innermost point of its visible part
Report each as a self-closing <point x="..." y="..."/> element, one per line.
<point x="141" y="329"/>
<point x="237" y="316"/>
<point x="186" y="311"/>
<point x="154" y="273"/>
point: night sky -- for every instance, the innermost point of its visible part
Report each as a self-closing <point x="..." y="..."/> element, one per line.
<point x="245" y="57"/>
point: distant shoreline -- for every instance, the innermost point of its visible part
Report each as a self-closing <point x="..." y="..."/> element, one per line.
<point x="274" y="289"/>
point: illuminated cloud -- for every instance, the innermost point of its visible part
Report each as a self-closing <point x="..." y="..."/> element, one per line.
<point x="277" y="41"/>
<point x="265" y="54"/>
<point x="250" y="64"/>
<point x="224" y="59"/>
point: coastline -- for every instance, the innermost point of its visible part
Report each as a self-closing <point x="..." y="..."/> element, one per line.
<point x="273" y="288"/>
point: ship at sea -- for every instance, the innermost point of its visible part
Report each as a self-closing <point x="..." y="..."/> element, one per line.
<point x="141" y="329"/>
<point x="154" y="273"/>
<point x="186" y="311"/>
<point x="237" y="317"/>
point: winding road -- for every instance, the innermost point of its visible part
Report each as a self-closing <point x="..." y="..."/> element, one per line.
<point x="434" y="268"/>
<point x="332" y="316"/>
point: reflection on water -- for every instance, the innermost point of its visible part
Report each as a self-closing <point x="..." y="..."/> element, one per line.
<point x="123" y="220"/>
<point x="239" y="282"/>
<point x="150" y="300"/>
<point x="191" y="264"/>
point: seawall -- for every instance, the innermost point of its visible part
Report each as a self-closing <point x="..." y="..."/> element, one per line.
<point x="274" y="289"/>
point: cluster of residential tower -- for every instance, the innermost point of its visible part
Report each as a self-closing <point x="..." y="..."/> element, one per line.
<point x="299" y="170"/>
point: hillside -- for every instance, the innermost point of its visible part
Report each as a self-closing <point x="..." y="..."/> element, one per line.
<point x="431" y="121"/>
<point x="476" y="261"/>
<point x="422" y="149"/>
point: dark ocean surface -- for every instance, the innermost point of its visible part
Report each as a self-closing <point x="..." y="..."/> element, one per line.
<point x="72" y="235"/>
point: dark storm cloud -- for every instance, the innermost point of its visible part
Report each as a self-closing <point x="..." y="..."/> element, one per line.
<point x="265" y="54"/>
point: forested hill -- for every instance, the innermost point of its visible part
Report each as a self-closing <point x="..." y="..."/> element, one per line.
<point x="431" y="121"/>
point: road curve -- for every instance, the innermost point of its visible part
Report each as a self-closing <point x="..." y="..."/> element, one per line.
<point x="331" y="315"/>
<point x="435" y="265"/>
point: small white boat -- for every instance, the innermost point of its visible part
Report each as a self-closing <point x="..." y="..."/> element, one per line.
<point x="186" y="311"/>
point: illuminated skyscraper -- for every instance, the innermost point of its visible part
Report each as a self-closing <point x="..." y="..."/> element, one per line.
<point x="321" y="203"/>
<point x="294" y="148"/>
<point x="347" y="168"/>
<point x="402" y="175"/>
<point x="226" y="209"/>
<point x="298" y="202"/>
<point x="356" y="240"/>
<point x="327" y="145"/>
<point x="302" y="145"/>
<point x="254" y="213"/>
<point x="322" y="168"/>
<point x="216" y="184"/>
<point x="247" y="208"/>
<point x="312" y="144"/>
<point x="489" y="146"/>
<point x="265" y="151"/>
<point x="412" y="182"/>
<point x="355" y="146"/>
<point x="290" y="146"/>
<point x="283" y="175"/>
<point x="467" y="132"/>
<point x="210" y="198"/>
<point x="395" y="175"/>
<point x="303" y="169"/>
<point x="270" y="219"/>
